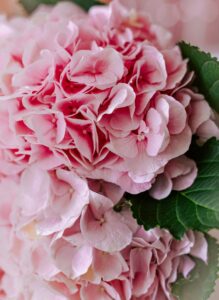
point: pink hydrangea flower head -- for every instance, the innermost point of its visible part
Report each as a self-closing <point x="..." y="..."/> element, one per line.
<point x="98" y="93"/>
<point x="93" y="105"/>
<point x="76" y="261"/>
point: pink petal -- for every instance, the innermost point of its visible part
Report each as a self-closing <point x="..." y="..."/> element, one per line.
<point x="187" y="265"/>
<point x="108" y="233"/>
<point x="200" y="249"/>
<point x="95" y="292"/>
<point x="101" y="69"/>
<point x="207" y="130"/>
<point x="122" y="95"/>
<point x="200" y="112"/>
<point x="177" y="116"/>
<point x="35" y="185"/>
<point x="109" y="266"/>
<point x="162" y="187"/>
<point x="179" y="145"/>
<point x="141" y="271"/>
<point x="124" y="147"/>
<point x="176" y="67"/>
<point x="73" y="261"/>
<point x="80" y="192"/>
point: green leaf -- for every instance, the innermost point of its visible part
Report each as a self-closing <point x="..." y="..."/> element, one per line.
<point x="86" y="4"/>
<point x="30" y="5"/>
<point x="200" y="284"/>
<point x="195" y="208"/>
<point x="206" y="69"/>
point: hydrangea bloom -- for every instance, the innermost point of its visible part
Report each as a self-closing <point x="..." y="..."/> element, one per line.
<point x="91" y="106"/>
<point x="72" y="244"/>
<point x="100" y="93"/>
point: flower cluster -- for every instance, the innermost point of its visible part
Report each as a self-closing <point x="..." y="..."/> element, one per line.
<point x="100" y="93"/>
<point x="63" y="240"/>
<point x="92" y="106"/>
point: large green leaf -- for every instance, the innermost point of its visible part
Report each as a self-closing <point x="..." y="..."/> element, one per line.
<point x="206" y="69"/>
<point x="201" y="282"/>
<point x="195" y="208"/>
<point x="30" y="5"/>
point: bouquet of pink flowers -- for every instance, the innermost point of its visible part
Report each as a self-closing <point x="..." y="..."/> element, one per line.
<point x="109" y="158"/>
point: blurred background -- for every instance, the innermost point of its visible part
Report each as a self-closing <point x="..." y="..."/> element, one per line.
<point x="196" y="21"/>
<point x="11" y="7"/>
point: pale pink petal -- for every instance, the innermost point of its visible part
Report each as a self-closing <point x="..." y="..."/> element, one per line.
<point x="187" y="266"/>
<point x="109" y="266"/>
<point x="8" y="193"/>
<point x="107" y="231"/>
<point x="151" y="73"/>
<point x="200" y="112"/>
<point x="207" y="130"/>
<point x="42" y="262"/>
<point x="73" y="261"/>
<point x="162" y="187"/>
<point x="124" y="147"/>
<point x="179" y="144"/>
<point x="141" y="271"/>
<point x="176" y="67"/>
<point x="122" y="95"/>
<point x="182" y="171"/>
<point x="200" y="249"/>
<point x="80" y="192"/>
<point x="101" y="69"/>
<point x="35" y="191"/>
<point x="96" y="292"/>
<point x="177" y="115"/>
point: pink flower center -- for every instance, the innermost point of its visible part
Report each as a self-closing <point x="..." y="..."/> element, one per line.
<point x="102" y="221"/>
<point x="141" y="136"/>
